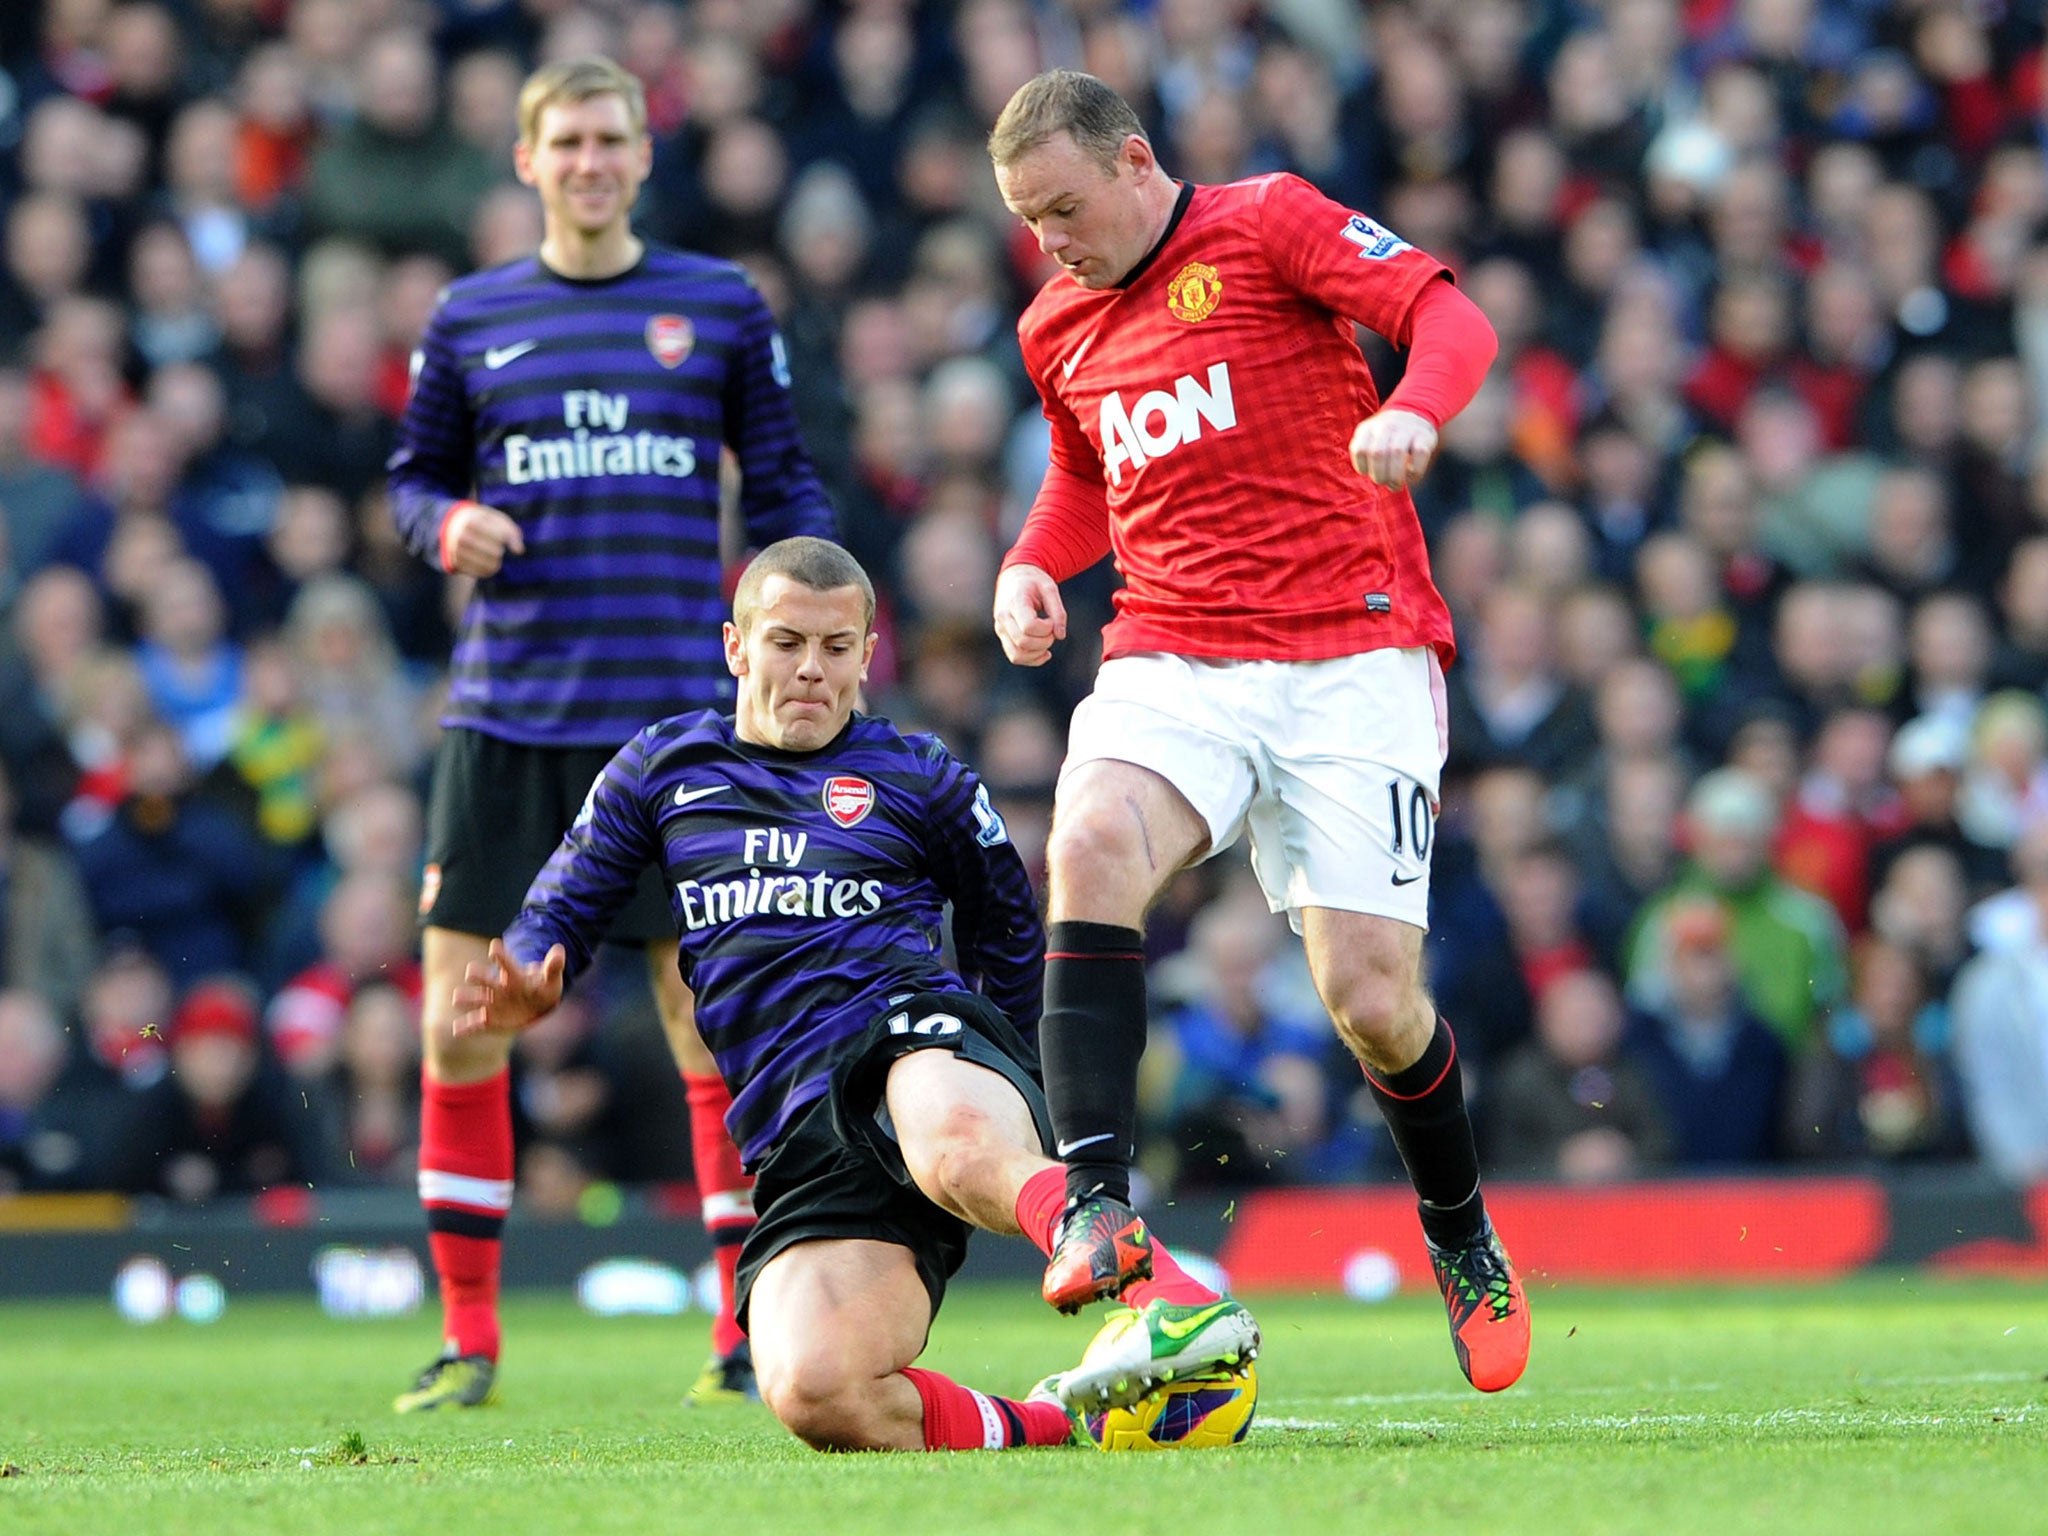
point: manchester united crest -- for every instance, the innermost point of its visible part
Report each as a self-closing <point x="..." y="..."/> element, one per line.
<point x="670" y="338"/>
<point x="848" y="799"/>
<point x="1194" y="292"/>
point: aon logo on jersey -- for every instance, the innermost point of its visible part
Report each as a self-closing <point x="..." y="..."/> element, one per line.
<point x="1161" y="420"/>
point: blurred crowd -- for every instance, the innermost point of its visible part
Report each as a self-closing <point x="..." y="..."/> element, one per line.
<point x="1743" y="856"/>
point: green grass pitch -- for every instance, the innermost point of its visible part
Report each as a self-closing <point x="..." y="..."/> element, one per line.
<point x="1901" y="1404"/>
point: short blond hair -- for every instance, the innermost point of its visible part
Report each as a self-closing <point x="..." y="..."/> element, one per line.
<point x="1064" y="101"/>
<point x="818" y="564"/>
<point x="575" y="80"/>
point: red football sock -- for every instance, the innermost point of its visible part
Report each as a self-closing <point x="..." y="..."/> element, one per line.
<point x="958" y="1418"/>
<point x="1039" y="1204"/>
<point x="466" y="1188"/>
<point x="726" y="1193"/>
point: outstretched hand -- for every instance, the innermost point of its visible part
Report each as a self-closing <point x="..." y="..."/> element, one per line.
<point x="502" y="996"/>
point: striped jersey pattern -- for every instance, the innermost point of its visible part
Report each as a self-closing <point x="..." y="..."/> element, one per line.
<point x="594" y="413"/>
<point x="808" y="889"/>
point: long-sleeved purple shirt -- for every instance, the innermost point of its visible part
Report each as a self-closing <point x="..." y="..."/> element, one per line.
<point x="594" y="413"/>
<point x="808" y="889"/>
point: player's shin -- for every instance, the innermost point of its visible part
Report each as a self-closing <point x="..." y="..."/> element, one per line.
<point x="958" y="1418"/>
<point x="465" y="1186"/>
<point x="1090" y="1039"/>
<point x="725" y="1192"/>
<point x="1424" y="1107"/>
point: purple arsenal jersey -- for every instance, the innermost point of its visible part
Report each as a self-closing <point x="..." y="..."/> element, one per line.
<point x="594" y="412"/>
<point x="808" y="889"/>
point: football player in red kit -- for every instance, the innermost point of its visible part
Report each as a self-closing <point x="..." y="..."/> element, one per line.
<point x="1275" y="665"/>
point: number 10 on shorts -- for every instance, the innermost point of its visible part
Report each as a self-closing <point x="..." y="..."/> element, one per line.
<point x="1414" y="821"/>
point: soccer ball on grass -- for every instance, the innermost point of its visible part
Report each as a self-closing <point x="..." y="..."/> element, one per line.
<point x="1199" y="1414"/>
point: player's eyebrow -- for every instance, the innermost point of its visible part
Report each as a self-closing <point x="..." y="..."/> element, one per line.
<point x="1027" y="214"/>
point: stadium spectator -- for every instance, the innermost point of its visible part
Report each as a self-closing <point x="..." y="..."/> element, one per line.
<point x="1880" y="1086"/>
<point x="224" y="1120"/>
<point x="1507" y="702"/>
<point x="275" y="746"/>
<point x="40" y="1146"/>
<point x="347" y="670"/>
<point x="48" y="939"/>
<point x="366" y="939"/>
<point x="1570" y="1104"/>
<point x="1243" y="1097"/>
<point x="2001" y="1026"/>
<point x="191" y="669"/>
<point x="1837" y="811"/>
<point x="1787" y="944"/>
<point x="399" y="138"/>
<point x="377" y="1087"/>
<point x="1719" y="1071"/>
<point x="1494" y="993"/>
<point x="37" y="499"/>
<point x="182" y="875"/>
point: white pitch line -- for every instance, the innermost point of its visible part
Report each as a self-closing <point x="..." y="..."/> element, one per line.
<point x="1377" y="1399"/>
<point x="1784" y="1418"/>
<point x="1271" y="1423"/>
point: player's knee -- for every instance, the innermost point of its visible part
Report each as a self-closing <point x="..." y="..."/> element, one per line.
<point x="1378" y="1017"/>
<point x="1094" y="854"/>
<point x="824" y="1405"/>
<point x="957" y="1160"/>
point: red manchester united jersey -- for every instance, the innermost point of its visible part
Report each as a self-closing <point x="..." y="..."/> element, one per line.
<point x="1212" y="400"/>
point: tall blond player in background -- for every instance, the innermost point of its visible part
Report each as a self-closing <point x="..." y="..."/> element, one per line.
<point x="562" y="446"/>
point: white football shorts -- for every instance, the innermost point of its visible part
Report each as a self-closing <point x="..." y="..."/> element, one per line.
<point x="1334" y="767"/>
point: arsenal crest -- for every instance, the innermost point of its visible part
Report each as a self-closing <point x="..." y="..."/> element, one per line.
<point x="1194" y="293"/>
<point x="848" y="799"/>
<point x="670" y="338"/>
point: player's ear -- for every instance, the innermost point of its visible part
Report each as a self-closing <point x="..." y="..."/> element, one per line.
<point x="867" y="653"/>
<point x="735" y="650"/>
<point x="522" y="162"/>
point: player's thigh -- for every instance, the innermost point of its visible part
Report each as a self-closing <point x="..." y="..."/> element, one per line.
<point x="1353" y="756"/>
<point x="827" y="1317"/>
<point x="677" y="1006"/>
<point x="445" y="955"/>
<point x="936" y="1096"/>
<point x="967" y="1135"/>
<point x="1156" y="775"/>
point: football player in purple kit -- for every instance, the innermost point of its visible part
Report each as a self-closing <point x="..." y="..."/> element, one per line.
<point x="885" y="1101"/>
<point x="562" y="447"/>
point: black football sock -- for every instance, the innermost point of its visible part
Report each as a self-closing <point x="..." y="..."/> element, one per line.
<point x="1089" y="1042"/>
<point x="1424" y="1106"/>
